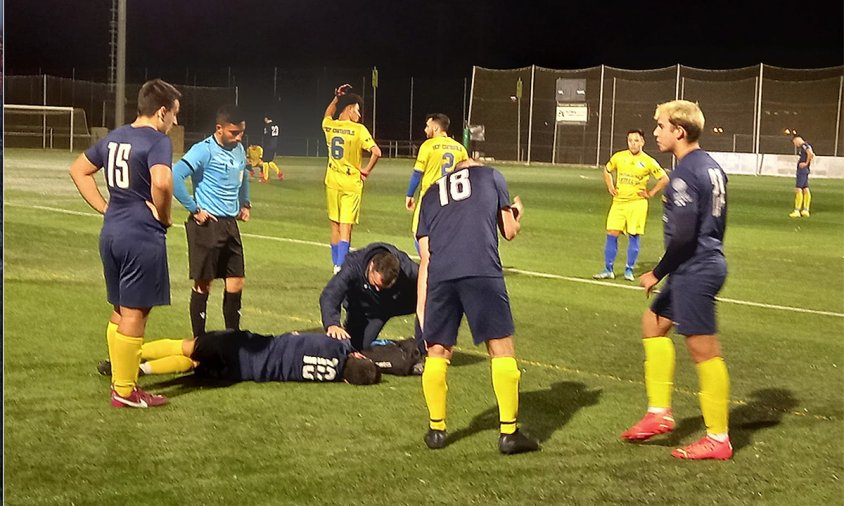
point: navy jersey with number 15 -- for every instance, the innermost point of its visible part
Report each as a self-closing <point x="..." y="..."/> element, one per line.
<point x="127" y="154"/>
<point x="459" y="215"/>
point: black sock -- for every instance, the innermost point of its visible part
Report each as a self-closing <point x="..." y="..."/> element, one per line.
<point x="198" y="304"/>
<point x="231" y="309"/>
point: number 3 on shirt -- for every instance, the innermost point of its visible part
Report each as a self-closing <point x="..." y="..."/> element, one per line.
<point x="448" y="163"/>
<point x="459" y="187"/>
<point x="118" y="166"/>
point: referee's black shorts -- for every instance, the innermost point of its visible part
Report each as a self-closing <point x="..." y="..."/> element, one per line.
<point x="215" y="249"/>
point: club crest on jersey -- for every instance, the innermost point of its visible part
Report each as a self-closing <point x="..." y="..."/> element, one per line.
<point x="681" y="195"/>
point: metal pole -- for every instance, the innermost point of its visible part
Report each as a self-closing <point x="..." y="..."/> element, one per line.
<point x="838" y="116"/>
<point x="612" y="115"/>
<point x="465" y="120"/>
<point x="755" y="110"/>
<point x="759" y="117"/>
<point x="410" y="117"/>
<point x="374" y="105"/>
<point x="554" y="147"/>
<point x="677" y="84"/>
<point x="275" y="80"/>
<point x="600" y="119"/>
<point x="530" y="111"/>
<point x="44" y="115"/>
<point x="471" y="96"/>
<point x="120" y="92"/>
<point x="519" y="129"/>
<point x="71" y="130"/>
<point x="236" y="95"/>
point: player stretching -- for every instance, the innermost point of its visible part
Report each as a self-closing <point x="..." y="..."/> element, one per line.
<point x="802" y="195"/>
<point x="137" y="158"/>
<point x="695" y="220"/>
<point x="437" y="157"/>
<point x="345" y="137"/>
<point x="630" y="194"/>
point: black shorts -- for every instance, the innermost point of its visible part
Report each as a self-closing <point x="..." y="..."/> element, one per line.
<point x="688" y="298"/>
<point x="269" y="154"/>
<point x="215" y="249"/>
<point x="484" y="301"/>
<point x="217" y="353"/>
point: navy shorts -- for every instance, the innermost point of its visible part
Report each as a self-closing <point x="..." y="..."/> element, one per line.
<point x="688" y="298"/>
<point x="269" y="155"/>
<point x="484" y="301"/>
<point x="215" y="249"/>
<point x="135" y="269"/>
<point x="802" y="178"/>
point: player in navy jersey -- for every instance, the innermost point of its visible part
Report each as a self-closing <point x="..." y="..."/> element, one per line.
<point x="269" y="143"/>
<point x="137" y="158"/>
<point x="240" y="355"/>
<point x="217" y="166"/>
<point x="460" y="273"/>
<point x="695" y="219"/>
<point x="802" y="195"/>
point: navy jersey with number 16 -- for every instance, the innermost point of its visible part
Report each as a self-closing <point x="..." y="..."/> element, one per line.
<point x="459" y="215"/>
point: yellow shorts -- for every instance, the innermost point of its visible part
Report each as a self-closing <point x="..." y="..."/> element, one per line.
<point x="629" y="217"/>
<point x="253" y="155"/>
<point x="342" y="206"/>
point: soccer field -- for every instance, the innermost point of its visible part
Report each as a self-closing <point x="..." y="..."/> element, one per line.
<point x="578" y="342"/>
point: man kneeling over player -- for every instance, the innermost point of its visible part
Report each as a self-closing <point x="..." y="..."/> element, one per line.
<point x="240" y="355"/>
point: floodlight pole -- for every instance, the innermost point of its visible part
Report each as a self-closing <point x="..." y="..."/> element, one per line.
<point x="120" y="91"/>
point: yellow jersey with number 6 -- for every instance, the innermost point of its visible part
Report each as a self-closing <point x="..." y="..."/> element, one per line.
<point x="345" y="140"/>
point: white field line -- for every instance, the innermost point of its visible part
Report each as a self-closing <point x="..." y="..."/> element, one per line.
<point x="517" y="271"/>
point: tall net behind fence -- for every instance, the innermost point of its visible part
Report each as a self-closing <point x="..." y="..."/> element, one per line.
<point x="618" y="100"/>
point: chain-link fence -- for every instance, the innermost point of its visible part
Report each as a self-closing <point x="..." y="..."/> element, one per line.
<point x="196" y="113"/>
<point x="748" y="110"/>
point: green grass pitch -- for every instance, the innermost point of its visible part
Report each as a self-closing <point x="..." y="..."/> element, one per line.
<point x="782" y="323"/>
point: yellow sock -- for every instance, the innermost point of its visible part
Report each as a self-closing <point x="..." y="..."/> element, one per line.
<point x="125" y="362"/>
<point x="505" y="382"/>
<point x="807" y="199"/>
<point x="798" y="200"/>
<point x="168" y="365"/>
<point x="161" y="348"/>
<point x="714" y="394"/>
<point x="275" y="168"/>
<point x="659" y="371"/>
<point x="435" y="388"/>
<point x="111" y="329"/>
<point x="265" y="170"/>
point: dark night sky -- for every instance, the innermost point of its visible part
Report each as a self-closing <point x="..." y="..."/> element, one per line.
<point x="432" y="37"/>
<point x="433" y="40"/>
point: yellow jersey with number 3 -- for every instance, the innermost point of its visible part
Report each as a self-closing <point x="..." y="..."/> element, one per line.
<point x="437" y="158"/>
<point x="345" y="140"/>
<point x="632" y="173"/>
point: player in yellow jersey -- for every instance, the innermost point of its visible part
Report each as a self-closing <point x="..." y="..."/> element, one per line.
<point x="437" y="157"/>
<point x="630" y="194"/>
<point x="345" y="137"/>
<point x="253" y="160"/>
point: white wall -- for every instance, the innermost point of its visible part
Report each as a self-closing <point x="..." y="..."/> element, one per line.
<point x="831" y="167"/>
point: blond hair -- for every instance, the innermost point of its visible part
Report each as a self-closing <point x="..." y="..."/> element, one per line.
<point x="685" y="114"/>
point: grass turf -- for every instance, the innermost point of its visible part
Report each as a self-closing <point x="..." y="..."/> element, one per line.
<point x="578" y="344"/>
